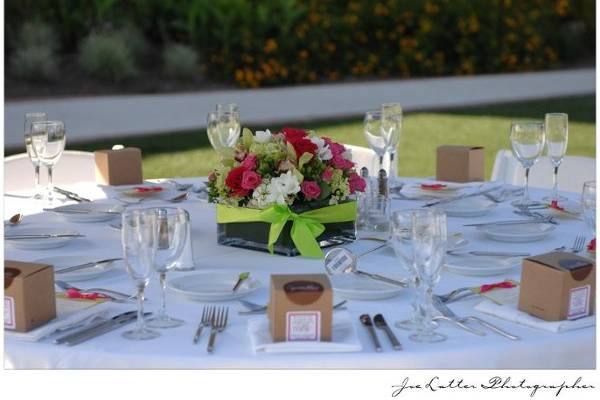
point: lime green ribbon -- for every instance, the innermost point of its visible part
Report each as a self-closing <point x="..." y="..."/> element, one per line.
<point x="306" y="226"/>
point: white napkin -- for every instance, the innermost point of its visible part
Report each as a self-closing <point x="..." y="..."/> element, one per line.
<point x="344" y="338"/>
<point x="510" y="312"/>
<point x="68" y="313"/>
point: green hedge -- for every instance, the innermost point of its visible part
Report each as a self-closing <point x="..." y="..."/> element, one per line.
<point x="262" y="42"/>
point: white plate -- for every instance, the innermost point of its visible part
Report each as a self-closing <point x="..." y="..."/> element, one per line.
<point x="130" y="192"/>
<point x="517" y="233"/>
<point x="481" y="266"/>
<point x="40" y="244"/>
<point x="60" y="262"/>
<point x="468" y="207"/>
<point x="350" y="286"/>
<point x="99" y="212"/>
<point x="212" y="285"/>
<point x="415" y="189"/>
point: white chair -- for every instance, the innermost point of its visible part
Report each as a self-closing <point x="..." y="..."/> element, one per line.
<point x="572" y="173"/>
<point x="73" y="167"/>
<point x="364" y="157"/>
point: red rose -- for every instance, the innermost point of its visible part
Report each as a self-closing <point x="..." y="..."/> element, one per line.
<point x="302" y="146"/>
<point x="310" y="189"/>
<point x="249" y="162"/>
<point x="355" y="182"/>
<point x="234" y="182"/>
<point x="250" y="180"/>
<point x="335" y="148"/>
<point x="293" y="133"/>
<point x="341" y="163"/>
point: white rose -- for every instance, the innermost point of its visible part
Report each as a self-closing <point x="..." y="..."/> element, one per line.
<point x="323" y="151"/>
<point x="263" y="136"/>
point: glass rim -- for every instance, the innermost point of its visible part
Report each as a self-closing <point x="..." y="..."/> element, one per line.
<point x="589" y="183"/>
<point x="57" y="123"/>
<point x="527" y="122"/>
<point x="35" y="114"/>
<point x="373" y="112"/>
<point x="556" y="114"/>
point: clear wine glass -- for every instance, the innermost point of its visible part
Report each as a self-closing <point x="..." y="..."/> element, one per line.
<point x="374" y="134"/>
<point x="556" y="127"/>
<point x="588" y="204"/>
<point x="172" y="236"/>
<point x="428" y="237"/>
<point x="229" y="128"/>
<point x="392" y="127"/>
<point x="227" y="108"/>
<point x="139" y="239"/>
<point x="212" y="131"/>
<point x="30" y="118"/>
<point x="402" y="245"/>
<point x="527" y="140"/>
<point x="48" y="142"/>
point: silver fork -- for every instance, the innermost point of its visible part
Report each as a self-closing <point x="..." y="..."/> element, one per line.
<point x="207" y="314"/>
<point x="578" y="244"/>
<point x="218" y="323"/>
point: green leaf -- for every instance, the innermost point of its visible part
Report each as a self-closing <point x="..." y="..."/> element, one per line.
<point x="325" y="190"/>
<point x="304" y="158"/>
<point x="291" y="153"/>
<point x="247" y="138"/>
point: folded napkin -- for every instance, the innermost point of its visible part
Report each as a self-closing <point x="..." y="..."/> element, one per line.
<point x="344" y="338"/>
<point x="510" y="312"/>
<point x="69" y="313"/>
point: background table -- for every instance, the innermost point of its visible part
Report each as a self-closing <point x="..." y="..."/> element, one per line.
<point x="174" y="349"/>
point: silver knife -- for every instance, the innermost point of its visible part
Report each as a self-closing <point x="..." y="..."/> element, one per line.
<point x="43" y="236"/>
<point x="513" y="222"/>
<point x="464" y="196"/>
<point x="85" y="265"/>
<point x="75" y="211"/>
<point x="98" y="329"/>
<point x="365" y="319"/>
<point x="71" y="195"/>
<point x="382" y="324"/>
<point x="488" y="253"/>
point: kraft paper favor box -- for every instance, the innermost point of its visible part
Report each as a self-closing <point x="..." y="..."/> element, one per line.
<point x="557" y="286"/>
<point x="460" y="163"/>
<point x="300" y="308"/>
<point x="29" y="296"/>
<point x="119" y="167"/>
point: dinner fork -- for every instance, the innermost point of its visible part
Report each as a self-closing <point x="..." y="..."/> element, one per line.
<point x="578" y="244"/>
<point x="218" y="323"/>
<point x="207" y="315"/>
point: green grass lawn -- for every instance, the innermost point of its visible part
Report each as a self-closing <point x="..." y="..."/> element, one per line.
<point x="189" y="153"/>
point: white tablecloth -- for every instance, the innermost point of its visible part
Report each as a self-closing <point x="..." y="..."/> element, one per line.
<point x="174" y="349"/>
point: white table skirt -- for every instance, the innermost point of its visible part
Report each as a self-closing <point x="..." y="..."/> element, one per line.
<point x="174" y="349"/>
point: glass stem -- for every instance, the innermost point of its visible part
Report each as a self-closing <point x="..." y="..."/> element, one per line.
<point x="162" y="314"/>
<point x="555" y="185"/>
<point x="415" y="317"/>
<point x="37" y="178"/>
<point x="526" y="190"/>
<point x="139" y="323"/>
<point x="380" y="164"/>
<point x="393" y="166"/>
<point x="50" y="183"/>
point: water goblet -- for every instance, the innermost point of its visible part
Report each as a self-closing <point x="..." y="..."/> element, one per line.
<point x="48" y="142"/>
<point x="374" y="134"/>
<point x="139" y="239"/>
<point x="428" y="236"/>
<point x="30" y="118"/>
<point x="556" y="127"/>
<point x="172" y="236"/>
<point x="527" y="140"/>
<point x="588" y="204"/>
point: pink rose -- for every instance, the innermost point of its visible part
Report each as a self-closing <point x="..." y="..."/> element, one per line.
<point x="249" y="162"/>
<point x="327" y="175"/>
<point x="340" y="162"/>
<point x="336" y="148"/>
<point x="310" y="189"/>
<point x="356" y="183"/>
<point x="250" y="180"/>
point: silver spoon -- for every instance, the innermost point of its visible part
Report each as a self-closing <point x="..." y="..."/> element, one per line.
<point x="14" y="220"/>
<point x="179" y="198"/>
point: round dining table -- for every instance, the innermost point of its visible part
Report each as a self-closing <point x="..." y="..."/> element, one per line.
<point x="174" y="348"/>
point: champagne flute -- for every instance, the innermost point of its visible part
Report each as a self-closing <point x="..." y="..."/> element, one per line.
<point x="392" y="127"/>
<point x="139" y="238"/>
<point x="428" y="236"/>
<point x="30" y="118"/>
<point x="48" y="142"/>
<point x="212" y="130"/>
<point x="557" y="133"/>
<point x="402" y="245"/>
<point x="588" y="204"/>
<point x="527" y="140"/>
<point x="374" y="134"/>
<point x="229" y="128"/>
<point x="172" y="236"/>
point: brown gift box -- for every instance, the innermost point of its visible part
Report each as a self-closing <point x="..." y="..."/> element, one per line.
<point x="460" y="163"/>
<point x="119" y="167"/>
<point x="29" y="296"/>
<point x="300" y="308"/>
<point x="557" y="286"/>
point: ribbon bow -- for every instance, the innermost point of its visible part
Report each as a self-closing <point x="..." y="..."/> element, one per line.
<point x="500" y="285"/>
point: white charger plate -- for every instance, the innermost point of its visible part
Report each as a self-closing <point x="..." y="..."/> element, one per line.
<point x="99" y="212"/>
<point x="481" y="266"/>
<point x="212" y="285"/>
<point x="60" y="262"/>
<point x="40" y="244"/>
<point x="353" y="287"/>
<point x="467" y="207"/>
<point x="517" y="233"/>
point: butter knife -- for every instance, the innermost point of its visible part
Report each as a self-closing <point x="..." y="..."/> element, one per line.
<point x="513" y="222"/>
<point x="43" y="236"/>
<point x="380" y="322"/>
<point x="85" y="265"/>
<point x="365" y="319"/>
<point x="71" y="195"/>
<point x="464" y="196"/>
<point x="75" y="211"/>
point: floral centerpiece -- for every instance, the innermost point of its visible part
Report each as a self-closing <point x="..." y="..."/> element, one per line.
<point x="284" y="192"/>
